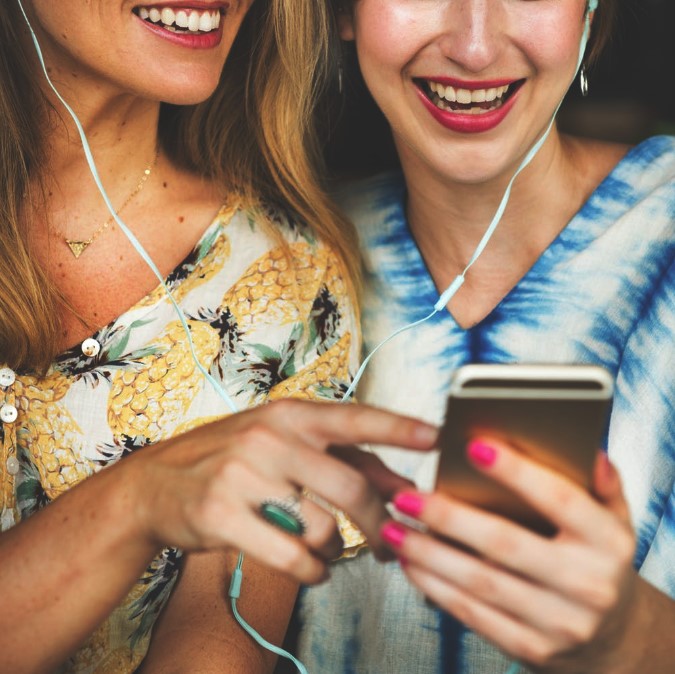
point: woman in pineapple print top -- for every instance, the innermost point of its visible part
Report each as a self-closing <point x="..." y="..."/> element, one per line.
<point x="96" y="371"/>
<point x="581" y="269"/>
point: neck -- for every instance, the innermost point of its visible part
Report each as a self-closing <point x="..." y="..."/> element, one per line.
<point x="122" y="135"/>
<point x="121" y="131"/>
<point x="448" y="219"/>
<point x="120" y="128"/>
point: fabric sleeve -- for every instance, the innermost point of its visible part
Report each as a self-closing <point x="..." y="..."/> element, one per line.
<point x="642" y="441"/>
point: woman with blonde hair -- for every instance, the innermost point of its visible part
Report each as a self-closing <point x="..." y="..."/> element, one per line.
<point x="103" y="365"/>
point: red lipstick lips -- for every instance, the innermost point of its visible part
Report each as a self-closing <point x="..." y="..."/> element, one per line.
<point x="463" y="120"/>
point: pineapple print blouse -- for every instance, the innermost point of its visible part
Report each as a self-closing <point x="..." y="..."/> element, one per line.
<point x="269" y="318"/>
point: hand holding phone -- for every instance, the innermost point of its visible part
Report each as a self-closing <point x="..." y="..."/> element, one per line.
<point x="555" y="414"/>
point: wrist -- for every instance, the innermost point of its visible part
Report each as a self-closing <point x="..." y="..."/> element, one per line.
<point x="626" y="649"/>
<point x="135" y="502"/>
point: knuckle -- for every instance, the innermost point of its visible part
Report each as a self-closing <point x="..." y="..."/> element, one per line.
<point x="440" y="513"/>
<point x="204" y="521"/>
<point x="257" y="435"/>
<point x="462" y="609"/>
<point x="624" y="548"/>
<point x="358" y="418"/>
<point x="587" y="629"/>
<point x="480" y="583"/>
<point x="354" y="489"/>
<point x="579" y="631"/>
<point x="538" y="652"/>
<point x="284" y="407"/>
<point x="502" y="544"/>
<point x="232" y="471"/>
<point x="290" y="557"/>
<point x="322" y="530"/>
<point x="561" y="496"/>
<point x="603" y="595"/>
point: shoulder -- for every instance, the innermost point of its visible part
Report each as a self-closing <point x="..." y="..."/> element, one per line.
<point x="370" y="201"/>
<point x="620" y="175"/>
<point x="269" y="221"/>
<point x="656" y="153"/>
<point x="277" y="241"/>
<point x="376" y="206"/>
<point x="638" y="170"/>
<point x="630" y="190"/>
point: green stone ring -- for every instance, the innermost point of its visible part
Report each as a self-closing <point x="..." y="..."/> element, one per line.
<point x="285" y="514"/>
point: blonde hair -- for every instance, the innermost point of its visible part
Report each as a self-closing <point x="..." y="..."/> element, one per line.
<point x="255" y="135"/>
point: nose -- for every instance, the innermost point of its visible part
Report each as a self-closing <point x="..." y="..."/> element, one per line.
<point x="472" y="32"/>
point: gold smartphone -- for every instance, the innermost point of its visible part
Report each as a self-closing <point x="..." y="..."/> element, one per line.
<point x="555" y="414"/>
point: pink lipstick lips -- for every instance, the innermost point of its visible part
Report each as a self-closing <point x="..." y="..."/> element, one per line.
<point x="195" y="25"/>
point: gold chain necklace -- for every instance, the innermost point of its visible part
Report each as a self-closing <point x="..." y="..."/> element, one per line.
<point x="78" y="246"/>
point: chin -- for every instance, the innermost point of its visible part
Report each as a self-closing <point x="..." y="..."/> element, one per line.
<point x="467" y="171"/>
<point x="186" y="92"/>
<point x="185" y="97"/>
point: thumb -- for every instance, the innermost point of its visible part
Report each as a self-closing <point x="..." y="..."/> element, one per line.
<point x="607" y="486"/>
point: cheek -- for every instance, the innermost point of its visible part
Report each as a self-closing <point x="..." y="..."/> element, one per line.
<point x="551" y="36"/>
<point x="551" y="49"/>
<point x="389" y="33"/>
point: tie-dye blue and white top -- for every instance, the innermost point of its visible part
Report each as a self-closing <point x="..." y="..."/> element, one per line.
<point x="603" y="292"/>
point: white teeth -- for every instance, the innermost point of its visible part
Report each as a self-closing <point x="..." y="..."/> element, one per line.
<point x="167" y="16"/>
<point x="181" y="19"/>
<point x="446" y="94"/>
<point x="463" y="96"/>
<point x="205" y="22"/>
<point x="467" y="96"/>
<point x="192" y="20"/>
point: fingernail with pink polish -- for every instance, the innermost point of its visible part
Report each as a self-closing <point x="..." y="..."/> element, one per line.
<point x="409" y="503"/>
<point x="393" y="534"/>
<point x="481" y="453"/>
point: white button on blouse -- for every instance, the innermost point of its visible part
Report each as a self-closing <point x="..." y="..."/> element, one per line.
<point x="8" y="414"/>
<point x="7" y="376"/>
<point x="90" y="347"/>
<point x="12" y="465"/>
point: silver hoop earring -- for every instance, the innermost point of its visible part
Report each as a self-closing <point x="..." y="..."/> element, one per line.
<point x="583" y="81"/>
<point x="340" y="77"/>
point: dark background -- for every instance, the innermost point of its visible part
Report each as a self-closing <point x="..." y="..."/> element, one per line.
<point x="631" y="97"/>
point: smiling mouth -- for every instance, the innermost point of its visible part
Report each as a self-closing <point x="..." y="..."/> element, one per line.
<point x="187" y="21"/>
<point x="467" y="101"/>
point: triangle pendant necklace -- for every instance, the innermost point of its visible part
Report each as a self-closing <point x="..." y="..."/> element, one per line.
<point x="77" y="247"/>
